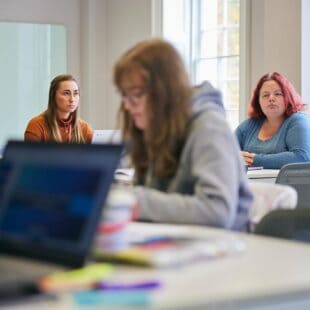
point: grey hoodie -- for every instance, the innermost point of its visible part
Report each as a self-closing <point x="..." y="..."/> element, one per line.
<point x="210" y="186"/>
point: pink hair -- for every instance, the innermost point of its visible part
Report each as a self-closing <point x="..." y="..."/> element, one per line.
<point x="292" y="100"/>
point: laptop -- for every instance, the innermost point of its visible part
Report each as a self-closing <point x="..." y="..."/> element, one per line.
<point x="109" y="136"/>
<point x="51" y="199"/>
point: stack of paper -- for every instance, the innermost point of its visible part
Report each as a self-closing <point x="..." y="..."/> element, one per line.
<point x="166" y="251"/>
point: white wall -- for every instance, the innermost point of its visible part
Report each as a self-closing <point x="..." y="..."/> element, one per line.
<point x="274" y="36"/>
<point x="109" y="28"/>
<point x="98" y="31"/>
<point x="305" y="59"/>
<point x="276" y="39"/>
<point x="63" y="12"/>
<point x="94" y="76"/>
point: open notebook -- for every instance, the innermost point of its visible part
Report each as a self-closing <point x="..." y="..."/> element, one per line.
<point x="51" y="199"/>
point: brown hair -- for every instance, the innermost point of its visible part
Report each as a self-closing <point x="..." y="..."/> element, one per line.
<point x="292" y="100"/>
<point x="50" y="114"/>
<point x="169" y="90"/>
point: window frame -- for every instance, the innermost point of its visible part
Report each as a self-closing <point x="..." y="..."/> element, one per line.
<point x="244" y="52"/>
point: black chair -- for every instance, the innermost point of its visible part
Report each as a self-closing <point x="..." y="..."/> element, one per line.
<point x="298" y="176"/>
<point x="289" y="224"/>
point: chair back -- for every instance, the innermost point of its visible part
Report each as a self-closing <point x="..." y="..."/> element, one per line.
<point x="289" y="224"/>
<point x="298" y="176"/>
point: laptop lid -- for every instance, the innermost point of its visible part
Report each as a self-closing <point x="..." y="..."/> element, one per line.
<point x="51" y="198"/>
<point x="109" y="136"/>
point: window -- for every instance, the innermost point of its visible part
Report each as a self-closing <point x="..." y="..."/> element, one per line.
<point x="207" y="34"/>
<point x="30" y="56"/>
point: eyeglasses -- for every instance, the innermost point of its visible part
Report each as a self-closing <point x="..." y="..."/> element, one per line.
<point x="135" y="97"/>
<point x="276" y="94"/>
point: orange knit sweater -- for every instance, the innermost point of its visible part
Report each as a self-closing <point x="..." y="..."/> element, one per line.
<point x="37" y="130"/>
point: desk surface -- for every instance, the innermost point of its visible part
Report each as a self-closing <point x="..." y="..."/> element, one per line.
<point x="269" y="274"/>
<point x="269" y="270"/>
<point x="263" y="173"/>
<point x="127" y="174"/>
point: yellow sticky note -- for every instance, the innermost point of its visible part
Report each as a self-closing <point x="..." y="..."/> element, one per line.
<point x="77" y="279"/>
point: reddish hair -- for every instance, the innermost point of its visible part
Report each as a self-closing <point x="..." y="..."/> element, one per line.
<point x="169" y="88"/>
<point x="292" y="100"/>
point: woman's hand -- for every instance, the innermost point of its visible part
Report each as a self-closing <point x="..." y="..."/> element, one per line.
<point x="135" y="211"/>
<point x="248" y="157"/>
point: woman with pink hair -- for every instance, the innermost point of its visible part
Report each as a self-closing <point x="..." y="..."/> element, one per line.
<point x="276" y="132"/>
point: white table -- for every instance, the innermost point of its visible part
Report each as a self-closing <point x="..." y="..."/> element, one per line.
<point x="269" y="274"/>
<point x="263" y="175"/>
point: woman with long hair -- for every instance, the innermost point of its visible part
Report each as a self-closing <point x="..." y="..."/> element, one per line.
<point x="188" y="167"/>
<point x="60" y="122"/>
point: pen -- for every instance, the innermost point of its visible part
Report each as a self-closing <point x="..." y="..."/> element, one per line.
<point x="144" y="285"/>
<point x="161" y="239"/>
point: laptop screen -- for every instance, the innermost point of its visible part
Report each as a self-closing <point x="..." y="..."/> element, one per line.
<point x="51" y="198"/>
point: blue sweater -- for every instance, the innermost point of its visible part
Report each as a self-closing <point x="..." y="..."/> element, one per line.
<point x="290" y="144"/>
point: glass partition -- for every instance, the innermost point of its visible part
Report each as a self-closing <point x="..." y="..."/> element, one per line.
<point x="30" y="56"/>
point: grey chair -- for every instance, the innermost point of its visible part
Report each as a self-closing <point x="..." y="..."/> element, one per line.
<point x="288" y="224"/>
<point x="298" y="176"/>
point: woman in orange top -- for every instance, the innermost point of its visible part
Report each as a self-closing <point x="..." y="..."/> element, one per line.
<point x="60" y="122"/>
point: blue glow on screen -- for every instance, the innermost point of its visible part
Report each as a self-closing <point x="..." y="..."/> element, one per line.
<point x="50" y="202"/>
